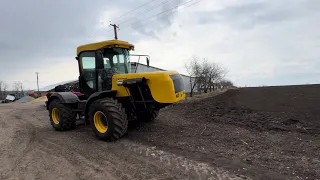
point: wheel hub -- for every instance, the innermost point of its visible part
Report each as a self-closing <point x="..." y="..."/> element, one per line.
<point x="55" y="116"/>
<point x="100" y="121"/>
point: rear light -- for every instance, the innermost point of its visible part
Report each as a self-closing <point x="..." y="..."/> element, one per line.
<point x="78" y="93"/>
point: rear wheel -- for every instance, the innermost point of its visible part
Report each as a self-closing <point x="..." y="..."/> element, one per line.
<point x="108" y="119"/>
<point x="61" y="116"/>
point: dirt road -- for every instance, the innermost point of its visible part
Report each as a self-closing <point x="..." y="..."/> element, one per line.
<point x="249" y="133"/>
<point x="30" y="149"/>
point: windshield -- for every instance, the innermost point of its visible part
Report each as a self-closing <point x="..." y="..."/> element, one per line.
<point x="118" y="58"/>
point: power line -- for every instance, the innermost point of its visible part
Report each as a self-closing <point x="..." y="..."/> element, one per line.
<point x="161" y="12"/>
<point x="141" y="13"/>
<point x="134" y="9"/>
<point x="145" y="11"/>
<point x="167" y="14"/>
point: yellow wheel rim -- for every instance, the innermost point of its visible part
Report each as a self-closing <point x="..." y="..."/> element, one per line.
<point x="100" y="122"/>
<point x="55" y="116"/>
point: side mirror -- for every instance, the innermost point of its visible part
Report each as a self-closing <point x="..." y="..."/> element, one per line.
<point x="148" y="62"/>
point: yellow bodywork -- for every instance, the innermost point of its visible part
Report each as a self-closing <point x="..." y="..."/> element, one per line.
<point x="159" y="82"/>
<point x="104" y="44"/>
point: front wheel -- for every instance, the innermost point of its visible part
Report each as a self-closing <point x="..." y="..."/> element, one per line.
<point x="108" y="119"/>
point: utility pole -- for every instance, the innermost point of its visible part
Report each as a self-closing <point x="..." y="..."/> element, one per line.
<point x="115" y="30"/>
<point x="21" y="88"/>
<point x="38" y="83"/>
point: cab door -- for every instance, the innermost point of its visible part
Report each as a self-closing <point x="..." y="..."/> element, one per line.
<point x="88" y="74"/>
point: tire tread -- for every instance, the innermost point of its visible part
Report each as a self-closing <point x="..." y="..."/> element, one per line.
<point x="119" y="117"/>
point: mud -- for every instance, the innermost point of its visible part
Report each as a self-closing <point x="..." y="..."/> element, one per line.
<point x="249" y="133"/>
<point x="31" y="149"/>
<point x="263" y="133"/>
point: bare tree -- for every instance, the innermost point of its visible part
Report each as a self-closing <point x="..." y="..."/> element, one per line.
<point x="205" y="74"/>
<point x="1" y="89"/>
<point x="16" y="87"/>
<point x="204" y="77"/>
<point x="194" y="70"/>
<point x="217" y="73"/>
<point x="211" y="73"/>
<point x="4" y="89"/>
<point x="226" y="84"/>
<point x="21" y="88"/>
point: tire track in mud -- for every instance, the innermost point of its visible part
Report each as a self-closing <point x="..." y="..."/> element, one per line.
<point x="85" y="161"/>
<point x="128" y="159"/>
<point x="85" y="169"/>
<point x="4" y="111"/>
<point x="197" y="170"/>
<point x="29" y="138"/>
<point x="118" y="161"/>
<point x="22" y="139"/>
<point x="77" y="154"/>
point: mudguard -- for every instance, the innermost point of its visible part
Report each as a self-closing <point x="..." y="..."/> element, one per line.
<point x="64" y="97"/>
<point x="98" y="95"/>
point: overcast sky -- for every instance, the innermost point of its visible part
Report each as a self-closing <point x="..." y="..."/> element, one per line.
<point x="260" y="42"/>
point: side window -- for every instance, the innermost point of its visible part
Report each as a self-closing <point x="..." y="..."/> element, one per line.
<point x="119" y="63"/>
<point x="88" y="69"/>
<point x="106" y="63"/>
<point x="88" y="63"/>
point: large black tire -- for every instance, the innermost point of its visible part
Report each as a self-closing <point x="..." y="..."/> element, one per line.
<point x="148" y="117"/>
<point x="66" y="117"/>
<point x="114" y="119"/>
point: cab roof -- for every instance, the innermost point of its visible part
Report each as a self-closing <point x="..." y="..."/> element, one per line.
<point x="104" y="44"/>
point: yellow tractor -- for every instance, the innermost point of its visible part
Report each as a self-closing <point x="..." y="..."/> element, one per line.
<point x="110" y="95"/>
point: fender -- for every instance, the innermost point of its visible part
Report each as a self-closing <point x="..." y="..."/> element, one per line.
<point x="64" y="97"/>
<point x="98" y="95"/>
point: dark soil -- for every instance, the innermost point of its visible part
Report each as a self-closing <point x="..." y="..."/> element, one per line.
<point x="263" y="132"/>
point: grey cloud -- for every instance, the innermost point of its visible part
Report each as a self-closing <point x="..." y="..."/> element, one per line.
<point x="250" y="14"/>
<point x="48" y="27"/>
<point x="168" y="16"/>
<point x="143" y="28"/>
<point x="33" y="32"/>
<point x="157" y="23"/>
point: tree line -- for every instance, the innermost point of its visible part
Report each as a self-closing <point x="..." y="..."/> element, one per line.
<point x="16" y="88"/>
<point x="205" y="76"/>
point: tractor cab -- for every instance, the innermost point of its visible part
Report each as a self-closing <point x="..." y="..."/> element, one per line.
<point x="98" y="62"/>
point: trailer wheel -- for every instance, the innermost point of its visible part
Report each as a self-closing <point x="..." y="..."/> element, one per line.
<point x="108" y="119"/>
<point x="61" y="116"/>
